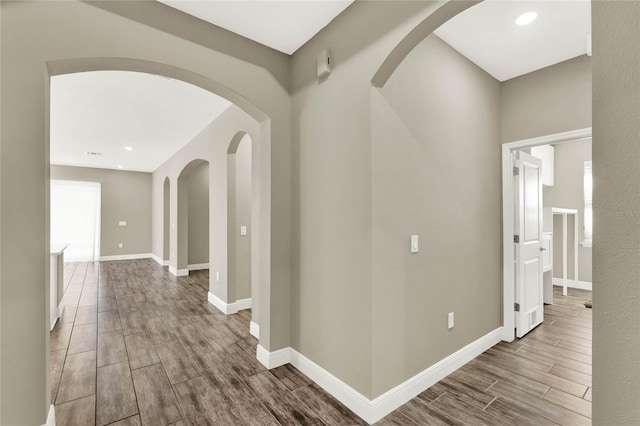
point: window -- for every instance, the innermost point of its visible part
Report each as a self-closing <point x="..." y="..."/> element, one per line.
<point x="75" y="219"/>
<point x="588" y="201"/>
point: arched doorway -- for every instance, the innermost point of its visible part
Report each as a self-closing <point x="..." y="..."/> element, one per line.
<point x="166" y="221"/>
<point x="242" y="288"/>
<point x="192" y="221"/>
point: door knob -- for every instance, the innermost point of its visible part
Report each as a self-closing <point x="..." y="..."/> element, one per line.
<point x="542" y="249"/>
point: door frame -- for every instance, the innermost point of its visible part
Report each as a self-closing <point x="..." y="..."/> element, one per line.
<point x="508" y="225"/>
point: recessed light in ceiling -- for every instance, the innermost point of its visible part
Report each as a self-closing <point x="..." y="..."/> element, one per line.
<point x="121" y="167"/>
<point x="93" y="153"/>
<point x="526" y="18"/>
<point x="128" y="148"/>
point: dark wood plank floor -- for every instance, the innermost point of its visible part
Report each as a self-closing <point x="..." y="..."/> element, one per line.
<point x="137" y="346"/>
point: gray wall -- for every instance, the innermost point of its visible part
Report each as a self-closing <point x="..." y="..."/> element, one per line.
<point x="198" y="188"/>
<point x="332" y="242"/>
<point x="616" y="246"/>
<point x="436" y="173"/>
<point x="568" y="192"/>
<point x="239" y="198"/>
<point x="125" y="196"/>
<point x="551" y="100"/>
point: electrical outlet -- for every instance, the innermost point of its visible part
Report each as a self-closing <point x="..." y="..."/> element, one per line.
<point x="120" y="245"/>
<point x="450" y="321"/>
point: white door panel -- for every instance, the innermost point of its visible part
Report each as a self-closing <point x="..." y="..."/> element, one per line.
<point x="528" y="264"/>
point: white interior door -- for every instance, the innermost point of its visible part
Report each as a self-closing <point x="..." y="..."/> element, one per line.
<point x="529" y="295"/>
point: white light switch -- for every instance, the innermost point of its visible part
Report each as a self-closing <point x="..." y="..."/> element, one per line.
<point x="217" y="276"/>
<point x="414" y="244"/>
<point x="243" y="230"/>
<point x="450" y="320"/>
<point x="122" y="223"/>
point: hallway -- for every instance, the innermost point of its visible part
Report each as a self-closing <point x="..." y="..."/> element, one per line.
<point x="137" y="346"/>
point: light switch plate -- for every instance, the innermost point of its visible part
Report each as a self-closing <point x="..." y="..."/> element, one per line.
<point x="243" y="230"/>
<point x="450" y="320"/>
<point x="120" y="245"/>
<point x="414" y="244"/>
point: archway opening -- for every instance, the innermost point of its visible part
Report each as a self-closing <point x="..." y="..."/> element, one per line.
<point x="239" y="226"/>
<point x="166" y="221"/>
<point x="193" y="218"/>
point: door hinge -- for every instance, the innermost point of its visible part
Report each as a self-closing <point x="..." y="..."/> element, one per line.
<point x="516" y="307"/>
<point x="516" y="239"/>
<point x="516" y="171"/>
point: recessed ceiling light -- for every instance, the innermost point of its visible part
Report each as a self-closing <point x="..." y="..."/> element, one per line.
<point x="121" y="167"/>
<point x="526" y="18"/>
<point x="128" y="148"/>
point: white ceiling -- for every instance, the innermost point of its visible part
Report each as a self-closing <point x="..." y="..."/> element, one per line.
<point x="488" y="36"/>
<point x="281" y="25"/>
<point x="104" y="111"/>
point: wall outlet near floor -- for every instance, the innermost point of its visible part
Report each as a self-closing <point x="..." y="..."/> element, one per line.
<point x="450" y="321"/>
<point x="120" y="245"/>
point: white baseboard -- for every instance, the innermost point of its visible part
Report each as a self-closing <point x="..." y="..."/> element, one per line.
<point x="126" y="257"/>
<point x="404" y="392"/>
<point x="198" y="266"/>
<point x="373" y="410"/>
<point x="51" y="417"/>
<point x="178" y="272"/>
<point x="159" y="261"/>
<point x="581" y="285"/>
<point x="243" y="304"/>
<point x="273" y="359"/>
<point x="254" y="330"/>
<point x="219" y="303"/>
<point x="229" y="308"/>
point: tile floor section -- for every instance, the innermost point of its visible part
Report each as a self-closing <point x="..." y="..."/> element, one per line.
<point x="137" y="346"/>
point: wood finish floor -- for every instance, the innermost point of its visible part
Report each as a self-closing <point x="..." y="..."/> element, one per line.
<point x="137" y="346"/>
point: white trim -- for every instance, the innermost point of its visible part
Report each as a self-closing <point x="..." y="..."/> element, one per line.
<point x="51" y="417"/>
<point x="373" y="410"/>
<point x="586" y="243"/>
<point x="582" y="285"/>
<point x="274" y="359"/>
<point x="219" y="303"/>
<point x="243" y="304"/>
<point x="229" y="308"/>
<point x="159" y="261"/>
<point x="254" y="330"/>
<point x="178" y="272"/>
<point x="508" y="298"/>
<point x="126" y="257"/>
<point x="198" y="266"/>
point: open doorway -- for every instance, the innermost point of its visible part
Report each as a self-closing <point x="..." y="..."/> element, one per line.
<point x="193" y="218"/>
<point x="75" y="219"/>
<point x="547" y="226"/>
<point x="239" y="225"/>
<point x="166" y="221"/>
